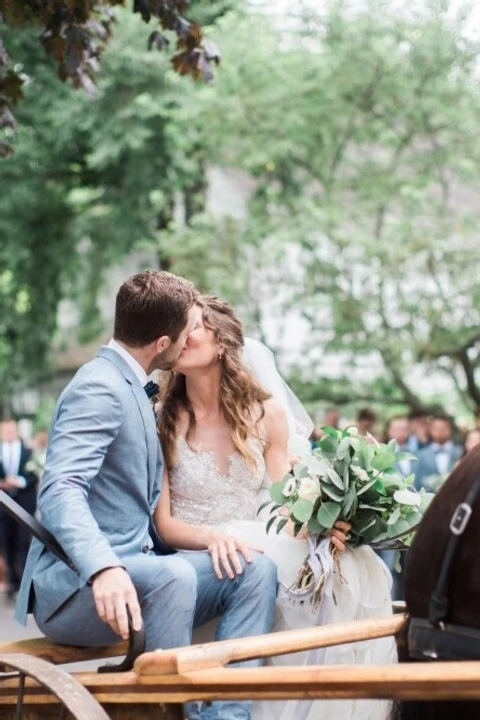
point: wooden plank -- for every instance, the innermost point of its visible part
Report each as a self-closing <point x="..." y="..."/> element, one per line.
<point x="217" y="654"/>
<point x="59" y="654"/>
<point x="114" y="712"/>
<point x="425" y="681"/>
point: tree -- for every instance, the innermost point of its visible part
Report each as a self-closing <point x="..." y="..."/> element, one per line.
<point x="91" y="179"/>
<point x="362" y="133"/>
<point x="75" y="32"/>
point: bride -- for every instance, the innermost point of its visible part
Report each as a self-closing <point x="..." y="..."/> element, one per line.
<point x="227" y="425"/>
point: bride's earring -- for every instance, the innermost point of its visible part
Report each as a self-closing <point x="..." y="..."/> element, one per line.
<point x="220" y="355"/>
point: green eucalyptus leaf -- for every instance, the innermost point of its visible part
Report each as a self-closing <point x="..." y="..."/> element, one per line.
<point x="346" y="476"/>
<point x="366" y="487"/>
<point x="394" y="517"/>
<point x="383" y="459"/>
<point x="300" y="471"/>
<point x="276" y="493"/>
<point x="302" y="510"/>
<point x="270" y="522"/>
<point x="281" y="524"/>
<point x="314" y="526"/>
<point x="349" y="500"/>
<point x="343" y="448"/>
<point x="332" y="493"/>
<point x="335" y="478"/>
<point x="364" y="506"/>
<point x="328" y="514"/>
<point x="263" y="506"/>
<point x="331" y="431"/>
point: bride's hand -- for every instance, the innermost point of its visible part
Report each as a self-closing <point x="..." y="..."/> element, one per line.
<point x="338" y="534"/>
<point x="224" y="551"/>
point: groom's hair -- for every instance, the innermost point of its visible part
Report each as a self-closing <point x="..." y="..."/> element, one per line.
<point x="152" y="304"/>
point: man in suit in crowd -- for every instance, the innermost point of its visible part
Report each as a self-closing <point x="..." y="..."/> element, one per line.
<point x="19" y="481"/>
<point x="419" y="431"/>
<point x="100" y="486"/>
<point x="366" y="421"/>
<point x="398" y="428"/>
<point x="437" y="460"/>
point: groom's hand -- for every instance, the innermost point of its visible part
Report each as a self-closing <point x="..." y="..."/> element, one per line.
<point x="224" y="551"/>
<point x="114" y="592"/>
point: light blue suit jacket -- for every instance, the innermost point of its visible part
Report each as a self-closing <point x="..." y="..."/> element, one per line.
<point x="101" y="483"/>
<point x="427" y="463"/>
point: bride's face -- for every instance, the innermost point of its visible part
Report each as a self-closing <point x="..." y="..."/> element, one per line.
<point x="201" y="349"/>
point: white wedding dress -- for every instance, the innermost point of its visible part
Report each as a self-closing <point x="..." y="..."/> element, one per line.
<point x="202" y="495"/>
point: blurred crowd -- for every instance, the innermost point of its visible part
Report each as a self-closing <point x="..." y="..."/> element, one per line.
<point x="436" y="440"/>
<point x="21" y="466"/>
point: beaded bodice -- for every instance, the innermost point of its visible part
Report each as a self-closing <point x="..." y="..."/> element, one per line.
<point x="201" y="495"/>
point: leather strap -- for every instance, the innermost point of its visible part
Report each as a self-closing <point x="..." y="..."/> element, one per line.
<point x="439" y="602"/>
<point x="31" y="524"/>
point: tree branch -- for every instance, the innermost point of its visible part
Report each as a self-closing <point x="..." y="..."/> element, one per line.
<point x="473" y="389"/>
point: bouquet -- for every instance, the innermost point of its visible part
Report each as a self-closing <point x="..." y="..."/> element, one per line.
<point x="353" y="478"/>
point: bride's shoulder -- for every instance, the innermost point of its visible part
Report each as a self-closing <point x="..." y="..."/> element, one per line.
<point x="274" y="414"/>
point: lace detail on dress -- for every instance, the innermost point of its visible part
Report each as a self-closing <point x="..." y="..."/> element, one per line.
<point x="201" y="495"/>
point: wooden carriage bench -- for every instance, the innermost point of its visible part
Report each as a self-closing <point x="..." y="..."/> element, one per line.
<point x="35" y="688"/>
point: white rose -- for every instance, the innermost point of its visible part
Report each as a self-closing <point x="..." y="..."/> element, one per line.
<point x="360" y="473"/>
<point x="353" y="431"/>
<point x="290" y="487"/>
<point x="406" y="497"/>
<point x="309" y="488"/>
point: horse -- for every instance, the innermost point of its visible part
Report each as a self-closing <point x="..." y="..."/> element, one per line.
<point x="423" y="567"/>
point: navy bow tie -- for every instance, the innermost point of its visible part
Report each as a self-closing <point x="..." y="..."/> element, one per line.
<point x="151" y="389"/>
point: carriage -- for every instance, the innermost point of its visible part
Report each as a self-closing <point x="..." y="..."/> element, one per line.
<point x="34" y="686"/>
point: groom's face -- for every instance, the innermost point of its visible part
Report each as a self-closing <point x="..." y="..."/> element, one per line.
<point x="167" y="359"/>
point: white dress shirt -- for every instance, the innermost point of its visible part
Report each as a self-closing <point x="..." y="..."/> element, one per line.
<point x="130" y="360"/>
<point x="11" y="457"/>
<point x="442" y="456"/>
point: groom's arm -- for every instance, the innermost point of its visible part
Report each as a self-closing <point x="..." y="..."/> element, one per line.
<point x="88" y="419"/>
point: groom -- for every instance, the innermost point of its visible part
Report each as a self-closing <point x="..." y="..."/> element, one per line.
<point x="101" y="483"/>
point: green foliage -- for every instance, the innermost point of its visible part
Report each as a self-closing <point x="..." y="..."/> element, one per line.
<point x="358" y="127"/>
<point x="75" y="32"/>
<point x="91" y="179"/>
<point x="361" y="128"/>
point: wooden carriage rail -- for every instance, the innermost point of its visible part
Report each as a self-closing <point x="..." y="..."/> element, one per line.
<point x="421" y="681"/>
<point x="217" y="654"/>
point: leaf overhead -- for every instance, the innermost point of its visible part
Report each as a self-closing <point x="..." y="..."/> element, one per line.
<point x="75" y="33"/>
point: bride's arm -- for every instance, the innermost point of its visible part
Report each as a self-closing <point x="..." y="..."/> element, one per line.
<point x="276" y="450"/>
<point x="223" y="548"/>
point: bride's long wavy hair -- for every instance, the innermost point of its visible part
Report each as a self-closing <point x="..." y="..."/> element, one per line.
<point x="241" y="397"/>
